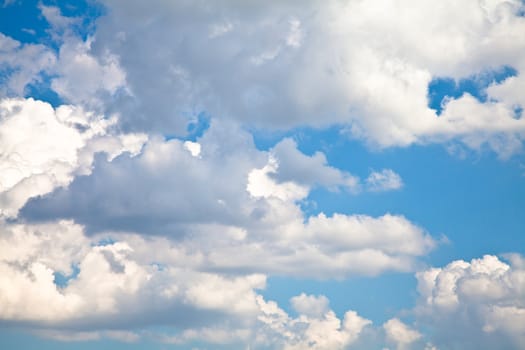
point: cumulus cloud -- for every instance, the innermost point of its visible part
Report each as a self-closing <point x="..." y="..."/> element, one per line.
<point x="234" y="206"/>
<point x="400" y="334"/>
<point x="321" y="331"/>
<point x="81" y="78"/>
<point x="292" y="165"/>
<point x="475" y="304"/>
<point x="276" y="329"/>
<point x="208" y="264"/>
<point x="30" y="293"/>
<point x="310" y="304"/>
<point x="185" y="233"/>
<point x="43" y="148"/>
<point x="374" y="82"/>
<point x="198" y="303"/>
<point x="368" y="67"/>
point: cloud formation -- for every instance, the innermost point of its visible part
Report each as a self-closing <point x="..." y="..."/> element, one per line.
<point x="135" y="288"/>
<point x="116" y="219"/>
<point x="475" y="304"/>
<point x="43" y="148"/>
<point x="236" y="206"/>
<point x="369" y="67"/>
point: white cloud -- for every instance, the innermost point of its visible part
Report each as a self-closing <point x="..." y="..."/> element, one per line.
<point x="76" y="74"/>
<point x="310" y="305"/>
<point x="22" y="64"/>
<point x="474" y="304"/>
<point x="82" y="78"/>
<point x="400" y="334"/>
<point x="260" y="184"/>
<point x="185" y="233"/>
<point x="110" y="284"/>
<point x="364" y="66"/>
<point x="373" y="82"/>
<point x="290" y="174"/>
<point x="117" y="286"/>
<point x="60" y="25"/>
<point x="309" y="331"/>
<point x="292" y="165"/>
<point x="43" y="148"/>
<point x="193" y="147"/>
<point x="384" y="180"/>
<point x="234" y="211"/>
<point x="275" y="329"/>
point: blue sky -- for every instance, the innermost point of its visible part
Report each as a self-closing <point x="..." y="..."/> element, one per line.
<point x="345" y="175"/>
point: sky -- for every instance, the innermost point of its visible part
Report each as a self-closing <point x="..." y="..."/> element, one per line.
<point x="342" y="174"/>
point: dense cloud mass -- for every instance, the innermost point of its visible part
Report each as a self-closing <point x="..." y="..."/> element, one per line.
<point x="235" y="206"/>
<point x="476" y="304"/>
<point x="120" y="221"/>
<point x="133" y="289"/>
<point x="365" y="65"/>
<point x="43" y="148"/>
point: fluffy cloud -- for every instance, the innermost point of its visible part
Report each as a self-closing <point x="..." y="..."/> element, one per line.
<point x="364" y="65"/>
<point x="74" y="73"/>
<point x="276" y="329"/>
<point x="384" y="180"/>
<point x="312" y="331"/>
<point x="234" y="206"/>
<point x="37" y="252"/>
<point x="184" y="233"/>
<point x="399" y="333"/>
<point x="198" y="303"/>
<point x="21" y="65"/>
<point x="98" y="76"/>
<point x="43" y="148"/>
<point x="475" y="304"/>
<point x="304" y="170"/>
<point x="373" y="82"/>
<point x="310" y="304"/>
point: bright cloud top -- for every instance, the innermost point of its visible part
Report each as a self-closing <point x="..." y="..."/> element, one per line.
<point x="43" y="148"/>
<point x="487" y="293"/>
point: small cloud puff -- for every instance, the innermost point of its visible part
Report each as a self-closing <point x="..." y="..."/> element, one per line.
<point x="384" y="180"/>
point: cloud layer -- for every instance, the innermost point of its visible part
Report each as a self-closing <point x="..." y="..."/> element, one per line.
<point x="368" y="66"/>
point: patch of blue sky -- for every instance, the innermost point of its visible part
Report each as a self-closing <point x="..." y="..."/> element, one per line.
<point x="61" y="280"/>
<point x="305" y="137"/>
<point x="442" y="88"/>
<point x="196" y="127"/>
<point x="104" y="242"/>
<point x="518" y="112"/>
<point x="23" y="20"/>
<point x="41" y="90"/>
